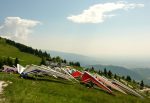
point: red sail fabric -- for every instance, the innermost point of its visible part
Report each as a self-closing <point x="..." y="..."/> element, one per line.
<point x="76" y="74"/>
<point x="86" y="77"/>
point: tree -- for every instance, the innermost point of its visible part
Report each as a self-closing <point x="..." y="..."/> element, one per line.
<point x="40" y="53"/>
<point x="128" y="78"/>
<point x="142" y="85"/>
<point x="99" y="72"/>
<point x="123" y="77"/>
<point x="109" y="74"/>
<point x="105" y="72"/>
<point x="134" y="81"/>
<point x="5" y="61"/>
<point x="115" y="76"/>
<point x="16" y="61"/>
<point x="9" y="61"/>
<point x="119" y="78"/>
<point x="58" y="59"/>
<point x="43" y="61"/>
<point x="64" y="61"/>
<point x="92" y="69"/>
<point x="87" y="69"/>
<point x="77" y="64"/>
<point x="1" y="63"/>
<point x="70" y="63"/>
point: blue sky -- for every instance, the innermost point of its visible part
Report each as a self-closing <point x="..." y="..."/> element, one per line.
<point x="121" y="32"/>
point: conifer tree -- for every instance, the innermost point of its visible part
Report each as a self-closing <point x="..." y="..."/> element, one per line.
<point x="142" y="85"/>
<point x="109" y="74"/>
<point x="105" y="72"/>
<point x="1" y="63"/>
<point x="43" y="61"/>
<point x="115" y="76"/>
<point x="16" y="61"/>
<point x="128" y="78"/>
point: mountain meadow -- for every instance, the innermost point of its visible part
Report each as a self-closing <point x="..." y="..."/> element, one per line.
<point x="50" y="89"/>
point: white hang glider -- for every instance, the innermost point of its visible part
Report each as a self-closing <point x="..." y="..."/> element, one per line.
<point x="108" y="83"/>
<point x="34" y="69"/>
<point x="126" y="88"/>
<point x="64" y="71"/>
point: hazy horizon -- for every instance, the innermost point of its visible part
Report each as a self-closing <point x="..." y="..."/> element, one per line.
<point x="115" y="31"/>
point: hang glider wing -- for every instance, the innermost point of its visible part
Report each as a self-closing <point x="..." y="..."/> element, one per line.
<point x="87" y="77"/>
<point x="76" y="74"/>
<point x="108" y="83"/>
<point x="125" y="88"/>
<point x="67" y="73"/>
<point x="20" y="68"/>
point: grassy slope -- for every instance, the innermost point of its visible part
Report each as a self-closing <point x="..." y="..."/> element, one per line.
<point x="58" y="91"/>
<point x="25" y="58"/>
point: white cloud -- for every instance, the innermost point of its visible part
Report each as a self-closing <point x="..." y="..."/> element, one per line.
<point x="16" y="28"/>
<point x="99" y="12"/>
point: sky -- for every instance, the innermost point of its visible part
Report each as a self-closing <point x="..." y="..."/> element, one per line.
<point x="113" y="30"/>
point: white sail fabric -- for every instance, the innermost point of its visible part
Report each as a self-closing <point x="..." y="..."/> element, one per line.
<point x="108" y="83"/>
<point x="43" y="70"/>
<point x="20" y="68"/>
<point x="126" y="88"/>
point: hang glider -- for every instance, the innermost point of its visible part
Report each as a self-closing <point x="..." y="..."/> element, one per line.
<point x="126" y="88"/>
<point x="9" y="69"/>
<point x="34" y="69"/>
<point x="67" y="73"/>
<point x="108" y="83"/>
<point x="87" y="77"/>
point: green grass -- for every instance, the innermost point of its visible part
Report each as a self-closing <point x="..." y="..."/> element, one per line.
<point x="58" y="91"/>
<point x="10" y="51"/>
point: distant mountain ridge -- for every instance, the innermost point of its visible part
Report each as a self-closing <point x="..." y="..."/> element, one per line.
<point x="144" y="72"/>
<point x="84" y="60"/>
<point x="119" y="70"/>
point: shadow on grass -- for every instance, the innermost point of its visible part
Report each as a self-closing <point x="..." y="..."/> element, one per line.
<point x="101" y="90"/>
<point x="97" y="88"/>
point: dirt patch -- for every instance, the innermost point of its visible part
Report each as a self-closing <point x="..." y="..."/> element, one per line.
<point x="3" y="84"/>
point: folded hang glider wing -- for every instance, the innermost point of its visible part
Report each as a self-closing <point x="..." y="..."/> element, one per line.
<point x="20" y="68"/>
<point x="67" y="73"/>
<point x="125" y="88"/>
<point x="108" y="83"/>
<point x="87" y="77"/>
<point x="9" y="69"/>
<point x="45" y="70"/>
<point x="34" y="69"/>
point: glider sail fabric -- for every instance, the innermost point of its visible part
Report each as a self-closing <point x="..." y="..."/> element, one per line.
<point x="34" y="69"/>
<point x="20" y="68"/>
<point x="87" y="77"/>
<point x="125" y="88"/>
<point x="108" y="83"/>
<point x="76" y="74"/>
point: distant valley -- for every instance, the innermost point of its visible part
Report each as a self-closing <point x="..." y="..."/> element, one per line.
<point x="135" y="73"/>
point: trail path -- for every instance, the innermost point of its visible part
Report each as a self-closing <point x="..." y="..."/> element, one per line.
<point x="2" y="84"/>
